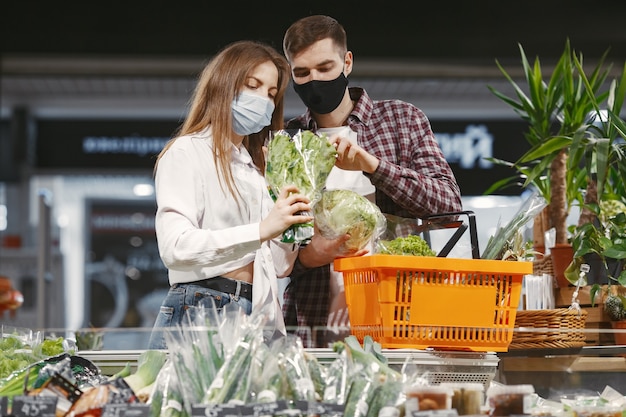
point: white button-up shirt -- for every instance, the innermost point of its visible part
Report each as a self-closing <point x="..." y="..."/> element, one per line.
<point x="201" y="230"/>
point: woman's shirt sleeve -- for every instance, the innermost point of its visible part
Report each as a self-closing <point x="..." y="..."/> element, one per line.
<point x="187" y="233"/>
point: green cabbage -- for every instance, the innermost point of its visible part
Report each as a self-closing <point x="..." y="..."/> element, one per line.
<point x="344" y="211"/>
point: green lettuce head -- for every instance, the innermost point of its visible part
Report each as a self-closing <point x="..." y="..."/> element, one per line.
<point x="344" y="211"/>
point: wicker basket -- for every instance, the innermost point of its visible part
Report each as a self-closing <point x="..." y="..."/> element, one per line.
<point x="568" y="325"/>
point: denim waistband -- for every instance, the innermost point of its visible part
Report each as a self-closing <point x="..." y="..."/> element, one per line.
<point x="227" y="285"/>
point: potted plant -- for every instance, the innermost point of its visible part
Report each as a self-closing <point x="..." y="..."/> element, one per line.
<point x="557" y="112"/>
<point x="605" y="239"/>
<point x="601" y="230"/>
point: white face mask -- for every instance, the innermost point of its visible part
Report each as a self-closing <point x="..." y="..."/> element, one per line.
<point x="251" y="113"/>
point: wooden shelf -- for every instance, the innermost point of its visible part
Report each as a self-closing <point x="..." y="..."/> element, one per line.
<point x="567" y="364"/>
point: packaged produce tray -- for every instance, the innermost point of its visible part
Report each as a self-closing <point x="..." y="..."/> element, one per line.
<point x="435" y="366"/>
<point x="433" y="302"/>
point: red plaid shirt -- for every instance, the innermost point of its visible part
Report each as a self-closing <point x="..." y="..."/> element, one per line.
<point x="412" y="180"/>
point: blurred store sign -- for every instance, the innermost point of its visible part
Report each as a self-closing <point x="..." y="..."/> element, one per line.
<point x="134" y="144"/>
<point x="101" y="144"/>
<point x="467" y="145"/>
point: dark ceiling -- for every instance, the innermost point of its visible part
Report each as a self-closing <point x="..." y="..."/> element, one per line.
<point x="133" y="58"/>
<point x="436" y="30"/>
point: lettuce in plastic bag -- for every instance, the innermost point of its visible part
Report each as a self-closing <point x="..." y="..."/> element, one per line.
<point x="344" y="211"/>
<point x="304" y="160"/>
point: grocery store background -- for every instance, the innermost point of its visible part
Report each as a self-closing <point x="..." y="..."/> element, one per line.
<point x="90" y="93"/>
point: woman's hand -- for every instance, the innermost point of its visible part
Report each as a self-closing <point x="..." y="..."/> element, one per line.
<point x="288" y="210"/>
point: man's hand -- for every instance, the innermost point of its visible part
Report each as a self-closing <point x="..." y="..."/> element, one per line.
<point x="321" y="251"/>
<point x="352" y="157"/>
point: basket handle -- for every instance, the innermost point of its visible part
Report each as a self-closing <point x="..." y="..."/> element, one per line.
<point x="461" y="227"/>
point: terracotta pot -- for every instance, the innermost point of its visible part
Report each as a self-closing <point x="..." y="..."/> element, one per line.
<point x="562" y="255"/>
<point x="620" y="336"/>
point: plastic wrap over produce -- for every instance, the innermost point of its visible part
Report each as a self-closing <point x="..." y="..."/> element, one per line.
<point x="304" y="160"/>
<point x="343" y="211"/>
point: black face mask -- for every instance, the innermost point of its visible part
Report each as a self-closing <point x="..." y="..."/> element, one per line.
<point x="322" y="97"/>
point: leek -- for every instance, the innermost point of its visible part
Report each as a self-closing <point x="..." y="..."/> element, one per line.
<point x="149" y="364"/>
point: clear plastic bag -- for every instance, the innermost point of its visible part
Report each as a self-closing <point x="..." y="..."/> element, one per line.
<point x="505" y="234"/>
<point x="344" y="211"/>
<point x="304" y="160"/>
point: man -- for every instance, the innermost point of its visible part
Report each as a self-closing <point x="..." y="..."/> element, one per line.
<point x="385" y="148"/>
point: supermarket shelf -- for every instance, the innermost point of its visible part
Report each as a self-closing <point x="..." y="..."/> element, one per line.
<point x="436" y="366"/>
<point x="589" y="368"/>
<point x="394" y="357"/>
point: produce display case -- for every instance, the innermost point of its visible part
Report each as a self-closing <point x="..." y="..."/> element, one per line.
<point x="553" y="373"/>
<point x="587" y="370"/>
<point x="438" y="367"/>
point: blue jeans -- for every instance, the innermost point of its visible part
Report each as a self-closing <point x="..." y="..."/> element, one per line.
<point x="181" y="297"/>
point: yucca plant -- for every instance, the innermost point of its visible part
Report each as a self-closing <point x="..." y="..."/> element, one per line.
<point x="557" y="111"/>
<point x="601" y="150"/>
<point x="601" y="230"/>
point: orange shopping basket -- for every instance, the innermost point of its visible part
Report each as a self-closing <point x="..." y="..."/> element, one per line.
<point x="433" y="302"/>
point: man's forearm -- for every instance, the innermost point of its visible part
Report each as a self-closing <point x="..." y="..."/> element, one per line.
<point x="310" y="257"/>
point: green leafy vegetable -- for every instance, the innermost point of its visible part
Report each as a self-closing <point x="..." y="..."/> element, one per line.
<point x="50" y="347"/>
<point x="344" y="211"/>
<point x="21" y="380"/>
<point x="124" y="372"/>
<point x="149" y="364"/>
<point x="10" y="343"/>
<point x="16" y="354"/>
<point x="412" y="245"/>
<point x="304" y="160"/>
<point x="234" y="371"/>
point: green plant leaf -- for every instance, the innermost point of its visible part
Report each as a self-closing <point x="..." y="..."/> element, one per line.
<point x="595" y="289"/>
<point x="615" y="252"/>
<point x="548" y="147"/>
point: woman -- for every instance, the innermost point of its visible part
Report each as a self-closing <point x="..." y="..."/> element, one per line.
<point x="215" y="220"/>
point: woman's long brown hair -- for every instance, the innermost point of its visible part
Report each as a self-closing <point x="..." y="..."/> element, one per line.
<point x="220" y="82"/>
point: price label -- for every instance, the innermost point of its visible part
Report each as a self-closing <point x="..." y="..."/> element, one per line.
<point x="39" y="406"/>
<point x="126" y="410"/>
<point x="263" y="409"/>
<point x="215" y="410"/>
<point x="435" y="413"/>
<point x="137" y="410"/>
<point x="113" y="410"/>
<point x="321" y="409"/>
<point x="301" y="406"/>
